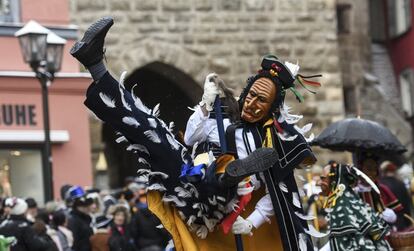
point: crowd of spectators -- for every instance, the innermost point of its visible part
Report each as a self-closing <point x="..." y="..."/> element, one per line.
<point x="84" y="220"/>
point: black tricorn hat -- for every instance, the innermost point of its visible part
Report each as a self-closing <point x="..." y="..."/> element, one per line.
<point x="276" y="68"/>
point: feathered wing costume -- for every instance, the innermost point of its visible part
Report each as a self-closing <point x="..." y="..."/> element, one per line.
<point x="197" y="206"/>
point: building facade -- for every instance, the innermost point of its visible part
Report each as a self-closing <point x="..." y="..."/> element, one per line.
<point x="168" y="47"/>
<point x="22" y="172"/>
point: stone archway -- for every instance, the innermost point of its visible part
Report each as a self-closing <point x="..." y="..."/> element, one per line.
<point x="157" y="83"/>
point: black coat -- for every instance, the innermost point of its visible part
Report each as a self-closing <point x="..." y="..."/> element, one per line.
<point x="120" y="241"/>
<point x="397" y="187"/>
<point x="27" y="240"/>
<point x="144" y="230"/>
<point x="80" y="225"/>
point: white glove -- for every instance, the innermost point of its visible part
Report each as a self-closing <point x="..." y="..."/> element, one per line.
<point x="210" y="92"/>
<point x="241" y="226"/>
<point x="389" y="215"/>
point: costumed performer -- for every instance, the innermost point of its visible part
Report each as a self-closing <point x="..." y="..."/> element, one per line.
<point x="354" y="225"/>
<point x="191" y="210"/>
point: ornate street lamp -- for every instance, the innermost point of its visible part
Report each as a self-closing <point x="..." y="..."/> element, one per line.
<point x="43" y="51"/>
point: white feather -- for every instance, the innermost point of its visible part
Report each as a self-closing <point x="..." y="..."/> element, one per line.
<point x="122" y="79"/>
<point x="143" y="161"/>
<point x="175" y="200"/>
<point x="138" y="147"/>
<point x="287" y="137"/>
<point x="283" y="187"/>
<point x="170" y="245"/>
<point x="124" y="103"/>
<point x="157" y="187"/>
<point x="153" y="136"/>
<point x="156" y="110"/>
<point x="293" y="68"/>
<point x="183" y="155"/>
<point x="121" y="139"/>
<point x="192" y="189"/>
<point x="131" y="121"/>
<point x="163" y="175"/>
<point x="244" y="190"/>
<point x="210" y="223"/>
<point x="160" y="226"/>
<point x="305" y="217"/>
<point x="286" y="116"/>
<point x="174" y="144"/>
<point x="138" y="102"/>
<point x="152" y="122"/>
<point x="222" y="199"/>
<point x="194" y="150"/>
<point x="212" y="201"/>
<point x="315" y="233"/>
<point x="202" y="232"/>
<point x="109" y="102"/>
<point x="218" y="215"/>
<point x="232" y="206"/>
<point x="310" y="138"/>
<point x="181" y="192"/>
<point x="304" y="129"/>
<point x="191" y="220"/>
<point x="142" y="171"/>
<point x="296" y="200"/>
<point x="302" y="242"/>
<point x="171" y="126"/>
<point x="191" y="108"/>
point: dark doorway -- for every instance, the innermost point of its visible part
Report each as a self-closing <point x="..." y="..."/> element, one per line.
<point x="156" y="83"/>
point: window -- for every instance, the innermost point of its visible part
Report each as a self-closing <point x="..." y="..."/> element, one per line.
<point x="343" y="14"/>
<point x="350" y="100"/>
<point x="9" y="11"/>
<point x="395" y="13"/>
<point x="21" y="173"/>
<point x="399" y="16"/>
<point x="406" y="79"/>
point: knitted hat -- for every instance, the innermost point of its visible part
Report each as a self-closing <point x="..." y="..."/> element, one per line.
<point x="18" y="206"/>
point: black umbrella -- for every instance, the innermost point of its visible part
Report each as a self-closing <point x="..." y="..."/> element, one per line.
<point x="356" y="134"/>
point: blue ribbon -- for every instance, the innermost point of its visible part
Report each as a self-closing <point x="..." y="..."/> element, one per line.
<point x="190" y="173"/>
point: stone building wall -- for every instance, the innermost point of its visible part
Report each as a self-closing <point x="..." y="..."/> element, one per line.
<point x="227" y="37"/>
<point x="368" y="78"/>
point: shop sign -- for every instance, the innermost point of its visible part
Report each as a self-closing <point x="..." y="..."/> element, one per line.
<point x="18" y="115"/>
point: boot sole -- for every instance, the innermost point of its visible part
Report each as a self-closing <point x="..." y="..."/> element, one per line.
<point x="102" y="25"/>
<point x="258" y="161"/>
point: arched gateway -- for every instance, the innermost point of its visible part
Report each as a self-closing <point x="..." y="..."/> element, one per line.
<point x="156" y="83"/>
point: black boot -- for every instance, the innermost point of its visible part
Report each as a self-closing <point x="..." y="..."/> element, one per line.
<point x="258" y="161"/>
<point x="90" y="49"/>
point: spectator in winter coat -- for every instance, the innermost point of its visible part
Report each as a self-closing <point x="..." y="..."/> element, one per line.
<point x="80" y="221"/>
<point x="120" y="237"/>
<point x="63" y="237"/>
<point x="18" y="226"/>
<point x="99" y="240"/>
<point x="144" y="224"/>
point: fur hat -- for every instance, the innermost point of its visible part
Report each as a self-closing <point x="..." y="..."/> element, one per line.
<point x="18" y="206"/>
